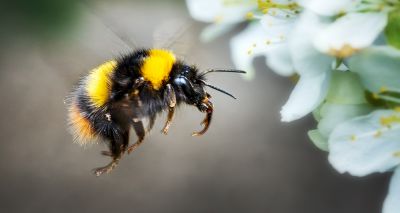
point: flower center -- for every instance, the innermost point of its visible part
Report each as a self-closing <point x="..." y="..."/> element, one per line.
<point x="390" y="120"/>
<point x="266" y="5"/>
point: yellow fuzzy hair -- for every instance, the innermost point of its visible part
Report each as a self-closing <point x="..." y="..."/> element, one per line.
<point x="157" y="66"/>
<point x="80" y="126"/>
<point x="98" y="83"/>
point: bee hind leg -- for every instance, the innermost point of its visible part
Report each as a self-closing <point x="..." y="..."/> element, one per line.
<point x="140" y="132"/>
<point x="116" y="151"/>
<point x="108" y="168"/>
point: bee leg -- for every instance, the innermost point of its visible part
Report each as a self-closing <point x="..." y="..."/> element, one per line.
<point x="116" y="151"/>
<point x="171" y="99"/>
<point x="115" y="160"/>
<point x="140" y="132"/>
<point x="106" y="153"/>
<point x="171" y="112"/>
<point x="151" y="123"/>
<point x="123" y="146"/>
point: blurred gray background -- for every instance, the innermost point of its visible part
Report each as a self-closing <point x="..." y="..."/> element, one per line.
<point x="247" y="162"/>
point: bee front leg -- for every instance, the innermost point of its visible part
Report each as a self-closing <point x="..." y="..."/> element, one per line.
<point x="140" y="132"/>
<point x="171" y="99"/>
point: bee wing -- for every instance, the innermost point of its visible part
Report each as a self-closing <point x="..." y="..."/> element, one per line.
<point x="175" y="35"/>
<point x="99" y="39"/>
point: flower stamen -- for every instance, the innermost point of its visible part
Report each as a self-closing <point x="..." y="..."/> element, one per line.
<point x="265" y="7"/>
<point x="396" y="154"/>
<point x="343" y="52"/>
<point x="389" y="120"/>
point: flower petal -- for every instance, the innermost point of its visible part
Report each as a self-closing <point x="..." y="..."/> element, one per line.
<point x="277" y="31"/>
<point x="392" y="204"/>
<point x="378" y="67"/>
<point x="350" y="33"/>
<point x="364" y="145"/>
<point x="309" y="92"/>
<point x="306" y="59"/>
<point x="279" y="60"/>
<point x="327" y="8"/>
<point x="248" y="44"/>
<point x="219" y="11"/>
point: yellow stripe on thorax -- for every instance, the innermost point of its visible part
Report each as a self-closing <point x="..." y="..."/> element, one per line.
<point x="98" y="83"/>
<point x="157" y="66"/>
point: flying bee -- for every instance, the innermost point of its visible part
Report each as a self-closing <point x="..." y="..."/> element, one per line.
<point x="119" y="94"/>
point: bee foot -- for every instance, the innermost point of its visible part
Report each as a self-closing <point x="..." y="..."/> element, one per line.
<point x="100" y="171"/>
<point x="165" y="131"/>
<point x="106" y="169"/>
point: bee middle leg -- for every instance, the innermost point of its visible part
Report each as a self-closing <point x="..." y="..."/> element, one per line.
<point x="116" y="150"/>
<point x="152" y="120"/>
<point x="140" y="132"/>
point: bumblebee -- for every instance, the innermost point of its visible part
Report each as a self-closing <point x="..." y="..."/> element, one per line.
<point x="119" y="94"/>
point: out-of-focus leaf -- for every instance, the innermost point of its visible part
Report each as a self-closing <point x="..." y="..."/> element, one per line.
<point x="335" y="114"/>
<point x="345" y="88"/>
<point x="319" y="141"/>
<point x="317" y="113"/>
<point x="40" y="18"/>
<point x="392" y="30"/>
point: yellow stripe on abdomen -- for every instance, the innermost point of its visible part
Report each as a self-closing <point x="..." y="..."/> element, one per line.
<point x="98" y="84"/>
<point x="157" y="66"/>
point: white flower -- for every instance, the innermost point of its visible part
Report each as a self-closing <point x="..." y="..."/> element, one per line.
<point x="369" y="144"/>
<point x="301" y="44"/>
<point x="288" y="44"/>
<point x="313" y="67"/>
<point x="315" y="36"/>
<point x="266" y="35"/>
<point x="358" y="26"/>
<point x="350" y="33"/>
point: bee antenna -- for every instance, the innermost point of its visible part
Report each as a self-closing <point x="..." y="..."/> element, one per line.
<point x="218" y="89"/>
<point x="232" y="71"/>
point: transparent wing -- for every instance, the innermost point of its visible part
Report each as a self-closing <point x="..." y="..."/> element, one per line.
<point x="98" y="38"/>
<point x="176" y="35"/>
<point x="107" y="31"/>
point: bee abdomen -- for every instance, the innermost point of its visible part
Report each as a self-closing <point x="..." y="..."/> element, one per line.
<point x="80" y="126"/>
<point x="98" y="83"/>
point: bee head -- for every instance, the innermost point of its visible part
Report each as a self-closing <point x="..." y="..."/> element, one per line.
<point x="192" y="86"/>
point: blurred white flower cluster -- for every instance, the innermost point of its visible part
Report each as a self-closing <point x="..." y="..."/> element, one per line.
<point x="346" y="55"/>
